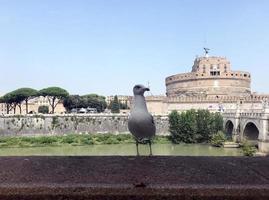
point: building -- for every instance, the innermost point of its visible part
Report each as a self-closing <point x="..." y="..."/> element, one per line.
<point x="33" y="106"/>
<point x="123" y="99"/>
<point x="211" y="84"/>
<point x="210" y="76"/>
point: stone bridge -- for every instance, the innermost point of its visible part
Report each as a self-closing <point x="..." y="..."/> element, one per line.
<point x="252" y="125"/>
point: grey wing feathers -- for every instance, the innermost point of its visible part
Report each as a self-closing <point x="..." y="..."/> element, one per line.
<point x="152" y="120"/>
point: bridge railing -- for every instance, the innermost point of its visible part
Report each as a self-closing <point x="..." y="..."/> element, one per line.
<point x="243" y="112"/>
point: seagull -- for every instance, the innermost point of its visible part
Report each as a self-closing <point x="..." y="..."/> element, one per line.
<point x="140" y="121"/>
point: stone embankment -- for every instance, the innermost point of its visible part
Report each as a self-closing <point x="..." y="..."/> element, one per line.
<point x="134" y="177"/>
<point x="70" y="123"/>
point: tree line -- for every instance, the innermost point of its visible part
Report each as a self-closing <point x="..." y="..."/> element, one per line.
<point x="194" y="126"/>
<point x="55" y="95"/>
<point x="19" y="96"/>
<point x="85" y="101"/>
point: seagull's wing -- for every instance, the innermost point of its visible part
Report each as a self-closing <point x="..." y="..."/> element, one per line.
<point x="152" y="120"/>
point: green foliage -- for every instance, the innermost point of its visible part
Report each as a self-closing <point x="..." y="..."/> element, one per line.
<point x="54" y="95"/>
<point x="73" y="101"/>
<point x="248" y="149"/>
<point x="217" y="122"/>
<point x="57" y="92"/>
<point x="90" y="100"/>
<point x="204" y="125"/>
<point x="72" y="139"/>
<point x="15" y="98"/>
<point x="43" y="109"/>
<point x="122" y="106"/>
<point x="194" y="126"/>
<point x="95" y="101"/>
<point x="115" y="106"/>
<point x="218" y="139"/>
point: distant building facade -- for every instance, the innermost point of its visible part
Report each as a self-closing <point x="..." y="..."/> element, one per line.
<point x="210" y="76"/>
<point x="123" y="99"/>
<point x="211" y="85"/>
<point x="33" y="106"/>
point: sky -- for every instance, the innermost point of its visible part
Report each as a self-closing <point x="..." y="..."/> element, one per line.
<point x="108" y="46"/>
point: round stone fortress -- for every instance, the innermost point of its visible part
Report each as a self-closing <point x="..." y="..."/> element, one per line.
<point x="210" y="76"/>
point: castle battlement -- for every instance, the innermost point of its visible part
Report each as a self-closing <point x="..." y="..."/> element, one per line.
<point x="210" y="76"/>
<point x="211" y="99"/>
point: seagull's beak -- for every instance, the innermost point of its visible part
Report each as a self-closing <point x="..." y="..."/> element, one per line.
<point x="147" y="89"/>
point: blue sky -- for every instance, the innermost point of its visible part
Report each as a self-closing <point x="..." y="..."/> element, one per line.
<point x="106" y="46"/>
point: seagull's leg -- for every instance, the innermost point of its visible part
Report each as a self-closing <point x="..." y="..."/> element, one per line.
<point x="150" y="150"/>
<point x="137" y="152"/>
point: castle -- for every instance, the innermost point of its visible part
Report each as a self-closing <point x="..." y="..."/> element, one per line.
<point x="211" y="84"/>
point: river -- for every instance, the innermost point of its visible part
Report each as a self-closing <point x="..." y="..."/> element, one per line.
<point x="122" y="150"/>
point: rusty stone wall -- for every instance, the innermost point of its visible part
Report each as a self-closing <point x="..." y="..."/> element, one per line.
<point x="65" y="124"/>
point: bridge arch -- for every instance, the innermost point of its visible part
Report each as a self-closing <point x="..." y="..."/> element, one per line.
<point x="251" y="131"/>
<point x="229" y="127"/>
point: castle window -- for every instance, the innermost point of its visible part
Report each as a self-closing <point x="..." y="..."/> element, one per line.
<point x="204" y="69"/>
<point x="245" y="75"/>
<point x="215" y="73"/>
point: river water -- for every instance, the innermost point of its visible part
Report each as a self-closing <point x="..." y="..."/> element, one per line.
<point x="122" y="150"/>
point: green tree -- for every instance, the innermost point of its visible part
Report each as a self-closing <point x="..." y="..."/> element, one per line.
<point x="183" y="126"/>
<point x="73" y="101"/>
<point x="24" y="94"/>
<point x="43" y="109"/>
<point x="11" y="101"/>
<point x="54" y="95"/>
<point x="204" y="123"/>
<point x="189" y="126"/>
<point x="85" y="101"/>
<point x="217" y="124"/>
<point x="95" y="101"/>
<point x="218" y="139"/>
<point x="115" y="106"/>
<point x="174" y="126"/>
<point x="194" y="126"/>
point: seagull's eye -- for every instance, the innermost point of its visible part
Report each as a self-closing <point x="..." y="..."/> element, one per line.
<point x="138" y="87"/>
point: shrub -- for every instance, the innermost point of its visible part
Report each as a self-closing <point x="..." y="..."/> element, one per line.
<point x="248" y="149"/>
<point x="204" y="123"/>
<point x="43" y="109"/>
<point x="86" y="140"/>
<point x="217" y="123"/>
<point x="115" y="106"/>
<point x="69" y="139"/>
<point x="174" y="126"/>
<point x="183" y="126"/>
<point x="194" y="126"/>
<point x="44" y="140"/>
<point x="218" y="139"/>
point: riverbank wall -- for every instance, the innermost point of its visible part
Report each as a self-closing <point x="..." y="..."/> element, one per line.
<point x="23" y="125"/>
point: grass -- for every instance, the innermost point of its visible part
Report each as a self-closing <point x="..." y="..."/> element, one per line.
<point x="73" y="139"/>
